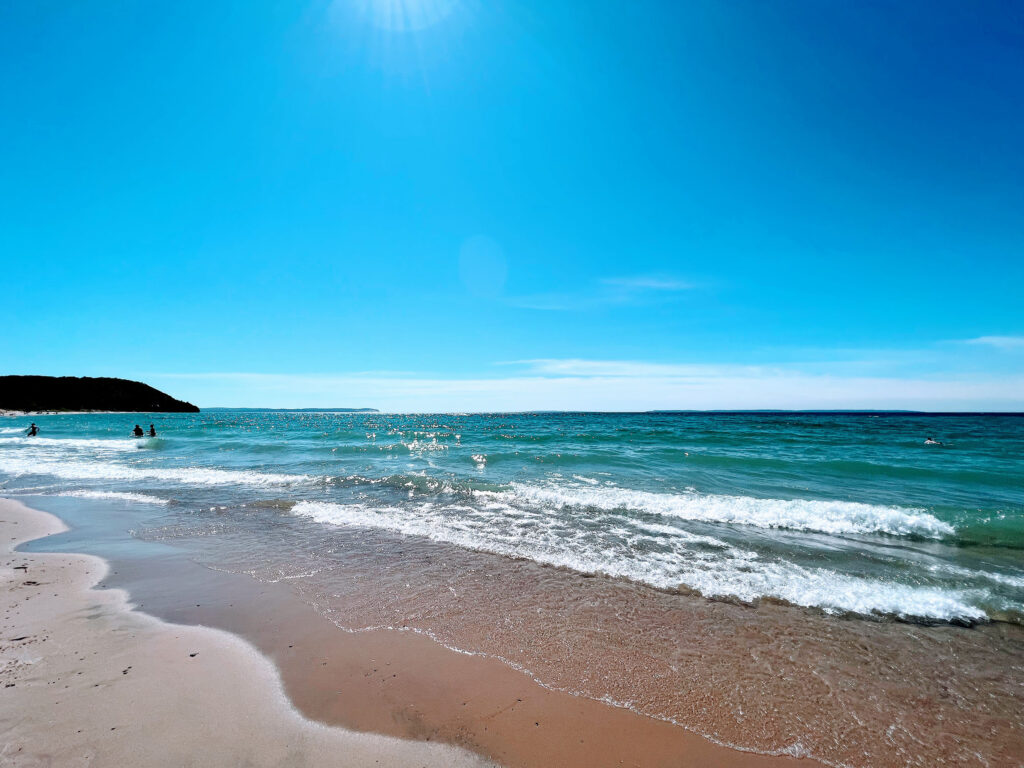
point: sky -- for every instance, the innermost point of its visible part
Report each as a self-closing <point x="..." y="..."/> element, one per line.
<point x="459" y="205"/>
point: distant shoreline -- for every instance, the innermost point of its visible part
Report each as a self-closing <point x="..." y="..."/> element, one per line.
<point x="296" y="410"/>
<point x="1020" y="414"/>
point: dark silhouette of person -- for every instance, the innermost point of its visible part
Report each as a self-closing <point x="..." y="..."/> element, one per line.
<point x="33" y="430"/>
<point x="152" y="431"/>
<point x="138" y="431"/>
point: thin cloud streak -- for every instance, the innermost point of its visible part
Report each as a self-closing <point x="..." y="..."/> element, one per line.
<point x="608" y="292"/>
<point x="552" y="302"/>
<point x="633" y="369"/>
<point x="1001" y="342"/>
<point x="644" y="283"/>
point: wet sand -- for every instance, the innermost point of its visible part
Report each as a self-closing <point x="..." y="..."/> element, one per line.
<point x="400" y="684"/>
<point x="770" y="677"/>
<point x="405" y="684"/>
<point x="86" y="680"/>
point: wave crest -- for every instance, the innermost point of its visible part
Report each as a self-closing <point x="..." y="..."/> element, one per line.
<point x="669" y="559"/>
<point x="117" y="496"/>
<point x="100" y="470"/>
<point x="832" y="517"/>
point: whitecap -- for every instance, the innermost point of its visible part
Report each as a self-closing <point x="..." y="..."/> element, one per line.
<point x="102" y="470"/>
<point x="76" y="443"/>
<point x="832" y="517"/>
<point x="141" y="498"/>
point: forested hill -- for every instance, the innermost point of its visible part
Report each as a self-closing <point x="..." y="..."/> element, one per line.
<point x="71" y="393"/>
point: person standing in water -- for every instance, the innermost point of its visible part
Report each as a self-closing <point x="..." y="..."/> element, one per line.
<point x="152" y="431"/>
<point x="138" y="431"/>
<point x="33" y="430"/>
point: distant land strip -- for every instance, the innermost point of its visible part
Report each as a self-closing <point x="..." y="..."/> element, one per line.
<point x="73" y="393"/>
<point x="297" y="410"/>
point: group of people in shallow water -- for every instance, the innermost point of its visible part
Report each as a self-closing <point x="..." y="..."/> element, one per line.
<point x="140" y="432"/>
<point x="33" y="430"/>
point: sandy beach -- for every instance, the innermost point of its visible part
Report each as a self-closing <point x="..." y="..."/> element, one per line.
<point x="92" y="680"/>
<point x="89" y="681"/>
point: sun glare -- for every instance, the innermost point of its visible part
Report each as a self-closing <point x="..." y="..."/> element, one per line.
<point x="406" y="15"/>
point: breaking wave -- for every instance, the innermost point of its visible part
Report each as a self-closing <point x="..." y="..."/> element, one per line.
<point x="37" y="443"/>
<point x="660" y="556"/>
<point x="141" y="498"/>
<point x="101" y="470"/>
<point x="832" y="517"/>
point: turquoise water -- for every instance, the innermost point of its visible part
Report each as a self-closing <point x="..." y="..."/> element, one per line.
<point x="849" y="514"/>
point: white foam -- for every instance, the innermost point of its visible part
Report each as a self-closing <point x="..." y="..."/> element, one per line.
<point x="141" y="498"/>
<point x="665" y="558"/>
<point x="1008" y="579"/>
<point x="36" y="443"/>
<point x="102" y="470"/>
<point x="833" y="517"/>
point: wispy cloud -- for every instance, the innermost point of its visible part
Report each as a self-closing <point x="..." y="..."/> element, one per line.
<point x="1002" y="342"/>
<point x="607" y="292"/>
<point x="553" y="302"/>
<point x="648" y="283"/>
<point x="631" y="368"/>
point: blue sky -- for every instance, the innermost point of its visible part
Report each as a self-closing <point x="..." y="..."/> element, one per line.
<point x="460" y="205"/>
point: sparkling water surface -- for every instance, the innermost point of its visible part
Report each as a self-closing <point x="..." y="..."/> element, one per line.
<point x="804" y="584"/>
<point x="849" y="514"/>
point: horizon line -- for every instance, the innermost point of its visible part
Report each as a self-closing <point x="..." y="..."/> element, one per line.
<point x="900" y="411"/>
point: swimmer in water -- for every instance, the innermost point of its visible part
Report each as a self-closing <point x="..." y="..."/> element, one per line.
<point x="138" y="431"/>
<point x="33" y="430"/>
<point x="932" y="441"/>
<point x="152" y="431"/>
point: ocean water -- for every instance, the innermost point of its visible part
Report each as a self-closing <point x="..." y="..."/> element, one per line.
<point x="813" y="584"/>
<point x="848" y="514"/>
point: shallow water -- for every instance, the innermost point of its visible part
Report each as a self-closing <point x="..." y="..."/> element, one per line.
<point x="845" y="513"/>
<point x="841" y="553"/>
